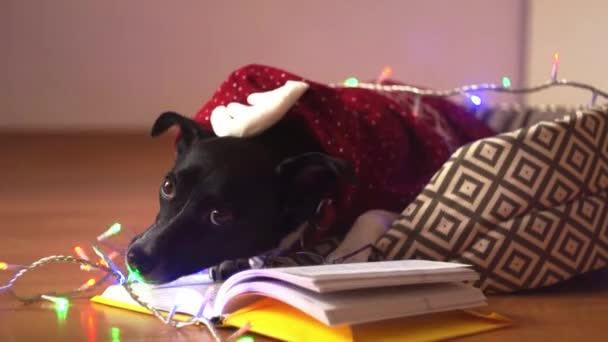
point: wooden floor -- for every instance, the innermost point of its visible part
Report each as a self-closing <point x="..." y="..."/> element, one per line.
<point x="57" y="191"/>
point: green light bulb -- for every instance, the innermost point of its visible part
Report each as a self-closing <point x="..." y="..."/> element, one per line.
<point x="134" y="275"/>
<point x="351" y="82"/>
<point x="115" y="333"/>
<point x="61" y="309"/>
<point x="115" y="228"/>
<point x="62" y="302"/>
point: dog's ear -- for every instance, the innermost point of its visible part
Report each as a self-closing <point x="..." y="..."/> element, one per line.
<point x="309" y="177"/>
<point x="189" y="129"/>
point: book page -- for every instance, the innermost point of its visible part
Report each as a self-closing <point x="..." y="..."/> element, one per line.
<point x="188" y="293"/>
<point x="356" y="306"/>
<point x="385" y="267"/>
<point x="199" y="278"/>
<point x="339" y="277"/>
<point x="189" y="299"/>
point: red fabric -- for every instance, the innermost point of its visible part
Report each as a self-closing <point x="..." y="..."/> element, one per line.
<point x="393" y="150"/>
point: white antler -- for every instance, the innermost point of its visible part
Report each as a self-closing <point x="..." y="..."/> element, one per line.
<point x="267" y="108"/>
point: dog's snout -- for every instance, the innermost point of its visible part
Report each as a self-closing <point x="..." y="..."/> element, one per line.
<point x="140" y="260"/>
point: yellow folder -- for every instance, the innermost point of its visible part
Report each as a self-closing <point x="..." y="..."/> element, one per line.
<point x="281" y="321"/>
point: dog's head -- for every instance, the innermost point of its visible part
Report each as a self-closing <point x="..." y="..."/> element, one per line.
<point x="226" y="198"/>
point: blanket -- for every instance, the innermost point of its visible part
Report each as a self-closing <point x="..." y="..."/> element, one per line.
<point x="393" y="148"/>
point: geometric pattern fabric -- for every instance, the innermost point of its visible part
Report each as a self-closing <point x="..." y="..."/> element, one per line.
<point x="527" y="208"/>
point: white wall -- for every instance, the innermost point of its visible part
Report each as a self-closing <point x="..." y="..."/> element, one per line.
<point x="577" y="31"/>
<point x="117" y="64"/>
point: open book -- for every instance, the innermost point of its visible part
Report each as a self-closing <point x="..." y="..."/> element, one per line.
<point x="339" y="294"/>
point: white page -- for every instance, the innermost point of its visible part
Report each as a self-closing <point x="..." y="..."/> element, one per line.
<point x="356" y="306"/>
<point x="188" y="298"/>
<point x="385" y="267"/>
<point x="321" y="278"/>
<point x="189" y="291"/>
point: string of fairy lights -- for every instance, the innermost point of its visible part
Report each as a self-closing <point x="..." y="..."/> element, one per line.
<point x="110" y="271"/>
<point x="105" y="264"/>
<point x="471" y="91"/>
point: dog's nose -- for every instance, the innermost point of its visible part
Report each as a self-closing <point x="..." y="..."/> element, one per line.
<point x="139" y="260"/>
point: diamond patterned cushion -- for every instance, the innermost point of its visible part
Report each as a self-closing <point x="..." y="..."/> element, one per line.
<point x="527" y="208"/>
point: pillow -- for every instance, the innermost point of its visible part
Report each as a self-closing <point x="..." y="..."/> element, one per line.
<point x="526" y="208"/>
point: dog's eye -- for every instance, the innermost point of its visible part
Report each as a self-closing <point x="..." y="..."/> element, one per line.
<point x="220" y="218"/>
<point x="167" y="189"/>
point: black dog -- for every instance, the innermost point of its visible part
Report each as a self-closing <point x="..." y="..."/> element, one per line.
<point x="229" y="198"/>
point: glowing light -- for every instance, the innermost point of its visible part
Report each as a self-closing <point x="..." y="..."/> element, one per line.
<point x="555" y="67"/>
<point x="80" y="252"/>
<point x="121" y="278"/>
<point x="91" y="325"/>
<point x="115" y="333"/>
<point x="506" y="82"/>
<point x="90" y="283"/>
<point x="113" y="230"/>
<point x="476" y="100"/>
<point x="134" y="276"/>
<point x="245" y="339"/>
<point x="351" y="82"/>
<point x="82" y="255"/>
<point x="111" y="256"/>
<point x="61" y="306"/>
<point x="10" y="267"/>
<point x="62" y="301"/>
<point x="386" y="73"/>
<point x="62" y="311"/>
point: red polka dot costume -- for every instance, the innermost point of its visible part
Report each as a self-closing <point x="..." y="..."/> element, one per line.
<point x="394" y="151"/>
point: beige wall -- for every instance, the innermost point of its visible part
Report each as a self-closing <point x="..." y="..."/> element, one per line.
<point x="577" y="30"/>
<point x="117" y="64"/>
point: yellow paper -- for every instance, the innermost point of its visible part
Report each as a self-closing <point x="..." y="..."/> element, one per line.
<point x="137" y="308"/>
<point x="431" y="327"/>
<point x="281" y="321"/>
